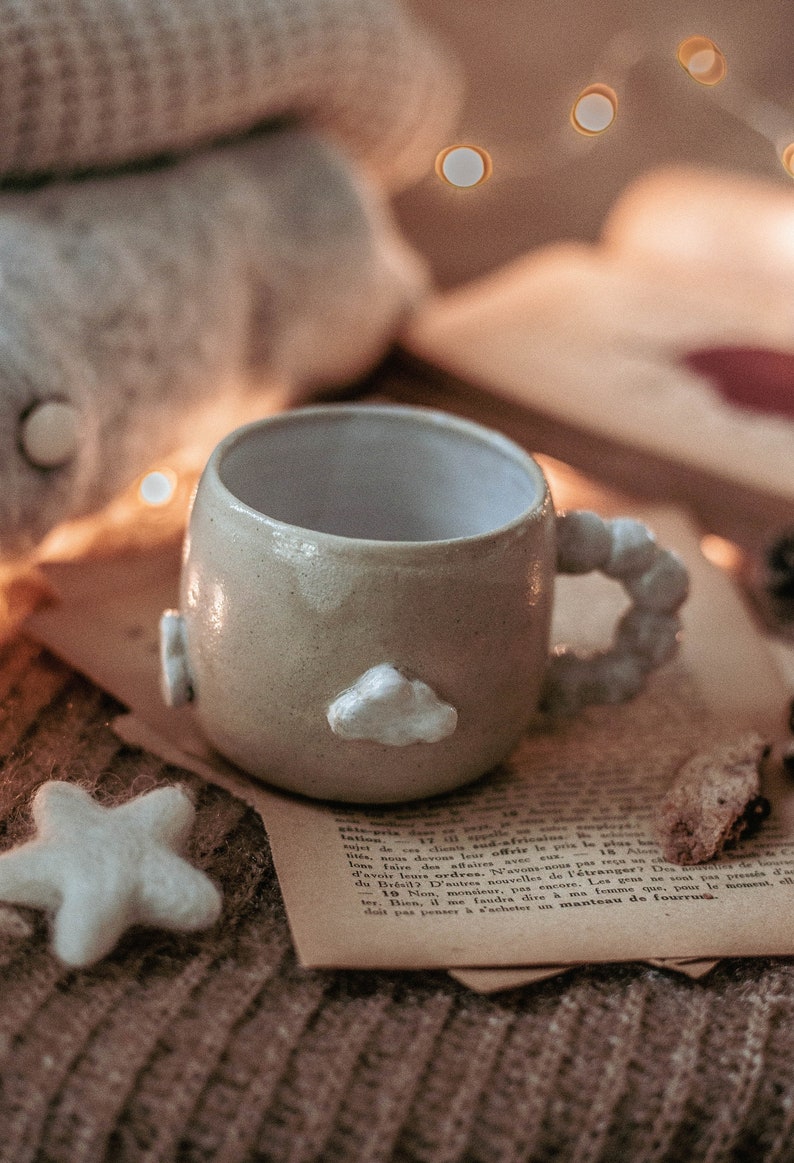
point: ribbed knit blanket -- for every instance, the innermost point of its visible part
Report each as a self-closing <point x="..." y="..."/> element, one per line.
<point x="218" y="1048"/>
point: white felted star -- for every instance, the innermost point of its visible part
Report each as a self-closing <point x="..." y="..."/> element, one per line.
<point x="100" y="870"/>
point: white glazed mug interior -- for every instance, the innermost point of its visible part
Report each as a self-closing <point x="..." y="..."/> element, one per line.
<point x="380" y="473"/>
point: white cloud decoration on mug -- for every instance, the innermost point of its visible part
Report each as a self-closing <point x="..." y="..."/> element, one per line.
<point x="385" y="706"/>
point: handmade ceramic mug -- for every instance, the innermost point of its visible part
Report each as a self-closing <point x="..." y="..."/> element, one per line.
<point x="366" y="597"/>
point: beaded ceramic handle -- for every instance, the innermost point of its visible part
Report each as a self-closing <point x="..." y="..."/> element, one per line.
<point x="647" y="635"/>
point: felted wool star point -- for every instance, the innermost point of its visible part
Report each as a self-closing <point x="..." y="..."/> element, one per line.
<point x="101" y="870"/>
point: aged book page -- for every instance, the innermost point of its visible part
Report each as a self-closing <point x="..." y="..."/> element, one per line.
<point x="497" y="980"/>
<point x="563" y="327"/>
<point x="549" y="860"/>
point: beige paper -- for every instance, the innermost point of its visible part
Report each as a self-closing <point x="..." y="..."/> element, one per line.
<point x="596" y="341"/>
<point x="550" y="860"/>
<point x="499" y="980"/>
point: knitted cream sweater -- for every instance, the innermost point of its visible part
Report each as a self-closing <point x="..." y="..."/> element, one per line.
<point x="94" y="83"/>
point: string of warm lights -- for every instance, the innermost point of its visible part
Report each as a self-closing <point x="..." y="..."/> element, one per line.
<point x="595" y="109"/>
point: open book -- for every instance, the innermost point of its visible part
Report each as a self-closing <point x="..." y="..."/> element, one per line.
<point x="660" y="360"/>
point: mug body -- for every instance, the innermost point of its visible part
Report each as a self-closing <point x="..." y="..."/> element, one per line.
<point x="366" y="595"/>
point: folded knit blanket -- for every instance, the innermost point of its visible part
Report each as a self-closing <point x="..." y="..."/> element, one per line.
<point x="95" y="83"/>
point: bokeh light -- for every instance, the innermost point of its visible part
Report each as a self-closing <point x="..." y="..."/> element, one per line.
<point x="787" y="158"/>
<point x="594" y="110"/>
<point x="721" y="552"/>
<point x="700" y="57"/>
<point x="464" y="166"/>
<point x="157" y="488"/>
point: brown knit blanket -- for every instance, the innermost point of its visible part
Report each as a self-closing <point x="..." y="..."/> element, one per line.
<point x="217" y="1047"/>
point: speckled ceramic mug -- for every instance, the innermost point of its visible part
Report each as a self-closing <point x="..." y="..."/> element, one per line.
<point x="366" y="598"/>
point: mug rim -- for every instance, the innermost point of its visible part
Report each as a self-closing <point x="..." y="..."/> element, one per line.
<point x="431" y="416"/>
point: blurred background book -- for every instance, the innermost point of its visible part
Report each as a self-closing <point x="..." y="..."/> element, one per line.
<point x="626" y="296"/>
